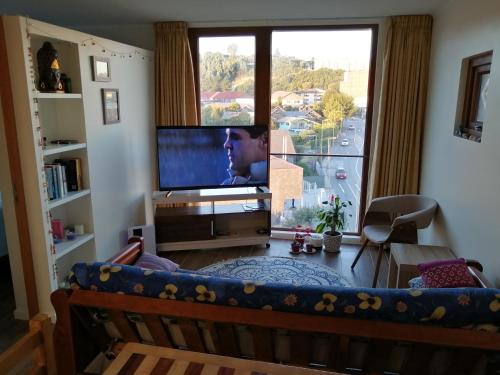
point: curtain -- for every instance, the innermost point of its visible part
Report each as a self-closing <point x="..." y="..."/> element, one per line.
<point x="175" y="96"/>
<point x="396" y="163"/>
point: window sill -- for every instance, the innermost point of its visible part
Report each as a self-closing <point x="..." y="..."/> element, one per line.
<point x="289" y="235"/>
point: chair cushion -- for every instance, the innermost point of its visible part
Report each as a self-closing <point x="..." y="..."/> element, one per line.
<point x="450" y="273"/>
<point x="154" y="262"/>
<point x="377" y="233"/>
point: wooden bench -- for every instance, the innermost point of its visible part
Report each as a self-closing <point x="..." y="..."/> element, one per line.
<point x="34" y="352"/>
<point x="329" y="343"/>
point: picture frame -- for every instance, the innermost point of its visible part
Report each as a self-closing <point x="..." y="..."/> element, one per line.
<point x="101" y="69"/>
<point x="110" y="106"/>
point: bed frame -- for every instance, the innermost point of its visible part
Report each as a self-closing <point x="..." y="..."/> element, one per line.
<point x="348" y="345"/>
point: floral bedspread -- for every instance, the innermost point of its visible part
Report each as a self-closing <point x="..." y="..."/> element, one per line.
<point x="457" y="307"/>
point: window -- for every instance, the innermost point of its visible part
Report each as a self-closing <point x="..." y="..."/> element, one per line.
<point x="474" y="88"/>
<point x="314" y="87"/>
<point x="227" y="80"/>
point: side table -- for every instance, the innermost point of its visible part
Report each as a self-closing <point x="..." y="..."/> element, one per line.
<point x="404" y="258"/>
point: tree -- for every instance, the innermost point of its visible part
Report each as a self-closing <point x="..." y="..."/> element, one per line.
<point x="233" y="107"/>
<point x="337" y="106"/>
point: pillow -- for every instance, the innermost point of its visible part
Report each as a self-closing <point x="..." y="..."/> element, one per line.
<point x="154" y="262"/>
<point x="416" y="283"/>
<point x="452" y="273"/>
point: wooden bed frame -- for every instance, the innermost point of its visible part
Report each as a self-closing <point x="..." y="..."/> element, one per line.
<point x="353" y="345"/>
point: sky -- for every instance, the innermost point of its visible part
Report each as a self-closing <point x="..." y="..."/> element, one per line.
<point x="349" y="50"/>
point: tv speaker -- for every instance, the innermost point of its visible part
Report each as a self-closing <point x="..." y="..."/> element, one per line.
<point x="148" y="233"/>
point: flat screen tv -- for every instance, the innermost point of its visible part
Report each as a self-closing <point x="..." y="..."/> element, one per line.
<point x="203" y="157"/>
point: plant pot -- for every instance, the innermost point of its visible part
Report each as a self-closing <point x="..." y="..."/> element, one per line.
<point x="332" y="241"/>
<point x="316" y="240"/>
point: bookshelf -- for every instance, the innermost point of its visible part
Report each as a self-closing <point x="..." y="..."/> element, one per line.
<point x="54" y="116"/>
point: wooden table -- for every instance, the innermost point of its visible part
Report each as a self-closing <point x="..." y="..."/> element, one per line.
<point x="147" y="359"/>
<point x="404" y="258"/>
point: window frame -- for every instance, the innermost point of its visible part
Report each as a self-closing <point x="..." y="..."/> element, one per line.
<point x="263" y="77"/>
<point x="478" y="65"/>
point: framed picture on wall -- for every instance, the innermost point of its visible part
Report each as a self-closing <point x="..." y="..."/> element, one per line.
<point x="110" y="106"/>
<point x="101" y="69"/>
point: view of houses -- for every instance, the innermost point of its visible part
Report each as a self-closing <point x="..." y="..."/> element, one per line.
<point x="315" y="111"/>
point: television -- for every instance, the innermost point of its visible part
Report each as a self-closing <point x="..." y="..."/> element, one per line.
<point x="207" y="157"/>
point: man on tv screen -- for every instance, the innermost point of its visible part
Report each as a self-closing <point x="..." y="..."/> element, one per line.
<point x="247" y="153"/>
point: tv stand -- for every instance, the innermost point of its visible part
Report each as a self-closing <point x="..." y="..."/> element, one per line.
<point x="212" y="218"/>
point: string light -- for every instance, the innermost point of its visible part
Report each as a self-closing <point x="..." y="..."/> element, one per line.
<point x="87" y="42"/>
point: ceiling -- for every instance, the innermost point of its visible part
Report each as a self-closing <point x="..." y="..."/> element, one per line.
<point x="128" y="12"/>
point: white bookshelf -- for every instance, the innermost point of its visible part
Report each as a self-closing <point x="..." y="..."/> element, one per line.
<point x="71" y="196"/>
<point x="65" y="247"/>
<point x="56" y="95"/>
<point x="59" y="149"/>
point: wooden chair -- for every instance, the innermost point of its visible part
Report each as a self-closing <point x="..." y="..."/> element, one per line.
<point x="37" y="344"/>
<point x="395" y="219"/>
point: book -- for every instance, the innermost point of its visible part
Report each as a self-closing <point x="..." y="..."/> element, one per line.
<point x="73" y="172"/>
<point x="49" y="180"/>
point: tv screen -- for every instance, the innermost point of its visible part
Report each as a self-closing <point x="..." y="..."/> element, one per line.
<point x="212" y="156"/>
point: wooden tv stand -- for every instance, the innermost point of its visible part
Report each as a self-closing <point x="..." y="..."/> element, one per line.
<point x="212" y="218"/>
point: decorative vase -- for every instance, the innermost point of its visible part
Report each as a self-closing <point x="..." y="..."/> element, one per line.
<point x="332" y="242"/>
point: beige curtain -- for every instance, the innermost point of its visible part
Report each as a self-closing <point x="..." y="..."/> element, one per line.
<point x="396" y="164"/>
<point x="175" y="96"/>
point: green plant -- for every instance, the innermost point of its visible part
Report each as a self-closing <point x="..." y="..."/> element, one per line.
<point x="332" y="215"/>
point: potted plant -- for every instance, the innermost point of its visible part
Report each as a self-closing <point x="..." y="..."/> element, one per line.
<point x="333" y="219"/>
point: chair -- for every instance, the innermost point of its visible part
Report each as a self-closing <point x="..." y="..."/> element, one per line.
<point x="395" y="219"/>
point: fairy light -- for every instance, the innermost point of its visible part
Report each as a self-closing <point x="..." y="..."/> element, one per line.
<point x="87" y="42"/>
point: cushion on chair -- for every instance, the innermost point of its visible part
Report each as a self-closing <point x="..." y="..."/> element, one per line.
<point x="154" y="262"/>
<point x="452" y="273"/>
<point x="377" y="233"/>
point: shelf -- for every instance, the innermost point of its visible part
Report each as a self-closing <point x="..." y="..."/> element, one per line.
<point x="224" y="209"/>
<point x="242" y="238"/>
<point x="65" y="247"/>
<point x="57" y="149"/>
<point x="210" y="195"/>
<point x="56" y="95"/>
<point x="71" y="196"/>
<point x="184" y="211"/>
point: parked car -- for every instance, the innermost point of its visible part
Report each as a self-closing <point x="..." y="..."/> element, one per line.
<point x="340" y="174"/>
<point x="352" y="127"/>
<point x="345" y="142"/>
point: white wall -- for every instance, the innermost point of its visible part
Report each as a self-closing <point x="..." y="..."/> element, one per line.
<point x="136" y="35"/>
<point x="464" y="176"/>
<point x="121" y="156"/>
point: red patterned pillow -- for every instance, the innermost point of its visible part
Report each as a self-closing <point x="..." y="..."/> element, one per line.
<point x="452" y="273"/>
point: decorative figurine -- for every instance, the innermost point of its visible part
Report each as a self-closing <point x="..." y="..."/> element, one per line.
<point x="49" y="73"/>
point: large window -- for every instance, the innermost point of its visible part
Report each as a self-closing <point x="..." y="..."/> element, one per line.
<point x="314" y="87"/>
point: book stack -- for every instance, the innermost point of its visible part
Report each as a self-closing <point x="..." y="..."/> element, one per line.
<point x="63" y="176"/>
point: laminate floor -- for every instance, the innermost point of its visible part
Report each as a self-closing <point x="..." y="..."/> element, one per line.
<point x="361" y="276"/>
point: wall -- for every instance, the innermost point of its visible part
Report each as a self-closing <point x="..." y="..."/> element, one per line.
<point x="142" y="36"/>
<point x="463" y="175"/>
<point x="121" y="156"/>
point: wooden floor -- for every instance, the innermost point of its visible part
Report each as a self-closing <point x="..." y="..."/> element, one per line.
<point x="361" y="276"/>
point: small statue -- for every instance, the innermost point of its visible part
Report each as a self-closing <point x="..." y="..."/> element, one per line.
<point x="49" y="73"/>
